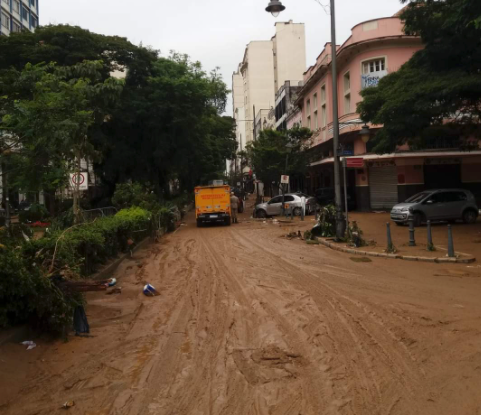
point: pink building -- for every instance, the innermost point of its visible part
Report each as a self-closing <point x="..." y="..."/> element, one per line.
<point x="374" y="49"/>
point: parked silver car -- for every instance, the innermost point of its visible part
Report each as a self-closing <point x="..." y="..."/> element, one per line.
<point x="274" y="206"/>
<point x="437" y="205"/>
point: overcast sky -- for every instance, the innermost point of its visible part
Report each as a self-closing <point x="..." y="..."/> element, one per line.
<point x="214" y="32"/>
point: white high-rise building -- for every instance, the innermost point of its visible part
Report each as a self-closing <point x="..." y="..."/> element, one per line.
<point x="18" y="15"/>
<point x="266" y="66"/>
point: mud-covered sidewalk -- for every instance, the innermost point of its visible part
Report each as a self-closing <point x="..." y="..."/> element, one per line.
<point x="250" y="322"/>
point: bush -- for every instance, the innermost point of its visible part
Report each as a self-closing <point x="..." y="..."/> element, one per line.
<point x="134" y="194"/>
<point x="26" y="294"/>
<point x="36" y="213"/>
<point x="83" y="248"/>
<point x="327" y="221"/>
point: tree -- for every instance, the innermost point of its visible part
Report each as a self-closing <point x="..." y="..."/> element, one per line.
<point x="171" y="128"/>
<point x="268" y="154"/>
<point x="437" y="93"/>
<point x="165" y="125"/>
<point x="51" y="121"/>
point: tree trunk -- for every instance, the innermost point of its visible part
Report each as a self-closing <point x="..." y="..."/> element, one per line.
<point x="76" y="192"/>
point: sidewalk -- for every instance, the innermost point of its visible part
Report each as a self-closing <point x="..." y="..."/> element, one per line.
<point x="467" y="238"/>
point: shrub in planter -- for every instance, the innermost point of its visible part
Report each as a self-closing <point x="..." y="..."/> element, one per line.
<point x="36" y="213"/>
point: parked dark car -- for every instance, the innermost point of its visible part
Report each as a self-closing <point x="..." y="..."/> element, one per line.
<point x="437" y="205"/>
<point x="327" y="196"/>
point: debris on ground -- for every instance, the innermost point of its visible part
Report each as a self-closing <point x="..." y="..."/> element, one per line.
<point x="31" y="345"/>
<point x="68" y="404"/>
<point x="116" y="290"/>
<point x="150" y="291"/>
<point x="360" y="259"/>
<point x="111" y="282"/>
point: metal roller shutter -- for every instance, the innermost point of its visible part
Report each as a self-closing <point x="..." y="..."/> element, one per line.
<point x="383" y="187"/>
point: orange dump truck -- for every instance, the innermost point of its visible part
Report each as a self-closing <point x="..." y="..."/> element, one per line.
<point x="212" y="204"/>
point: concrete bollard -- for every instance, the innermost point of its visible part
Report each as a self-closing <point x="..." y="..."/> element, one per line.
<point x="412" y="241"/>
<point x="450" y="243"/>
<point x="389" y="239"/>
<point x="430" y="237"/>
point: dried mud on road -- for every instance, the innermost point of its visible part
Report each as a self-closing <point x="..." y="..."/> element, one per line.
<point x="249" y="322"/>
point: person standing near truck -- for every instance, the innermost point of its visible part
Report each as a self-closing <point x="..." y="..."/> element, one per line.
<point x="234" y="205"/>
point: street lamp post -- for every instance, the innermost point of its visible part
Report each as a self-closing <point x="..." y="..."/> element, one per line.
<point x="275" y="7"/>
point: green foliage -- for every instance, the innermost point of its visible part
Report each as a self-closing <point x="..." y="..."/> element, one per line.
<point x="268" y="154"/>
<point x="36" y="212"/>
<point x="134" y="194"/>
<point x="81" y="249"/>
<point x="26" y="294"/>
<point x="327" y="221"/>
<point x="439" y="83"/>
<point x="354" y="235"/>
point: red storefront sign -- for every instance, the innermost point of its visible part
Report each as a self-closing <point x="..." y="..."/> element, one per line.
<point x="356" y="163"/>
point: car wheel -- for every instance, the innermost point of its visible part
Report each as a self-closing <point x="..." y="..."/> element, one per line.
<point x="261" y="214"/>
<point x="417" y="219"/>
<point x="297" y="211"/>
<point x="469" y="216"/>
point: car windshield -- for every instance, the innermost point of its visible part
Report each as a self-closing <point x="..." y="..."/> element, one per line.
<point x="418" y="197"/>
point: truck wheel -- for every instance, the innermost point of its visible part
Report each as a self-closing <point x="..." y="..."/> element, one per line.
<point x="227" y="222"/>
<point x="199" y="223"/>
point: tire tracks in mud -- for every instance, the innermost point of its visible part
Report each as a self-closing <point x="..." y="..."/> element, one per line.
<point x="385" y="370"/>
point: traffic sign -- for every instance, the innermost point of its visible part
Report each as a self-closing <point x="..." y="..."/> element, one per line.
<point x="80" y="179"/>
<point x="284" y="179"/>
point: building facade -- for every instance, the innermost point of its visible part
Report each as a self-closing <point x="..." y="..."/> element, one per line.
<point x="285" y="103"/>
<point x="374" y="49"/>
<point x="267" y="65"/>
<point x="18" y="15"/>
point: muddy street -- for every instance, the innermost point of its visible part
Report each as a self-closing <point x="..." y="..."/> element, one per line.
<point x="249" y="322"/>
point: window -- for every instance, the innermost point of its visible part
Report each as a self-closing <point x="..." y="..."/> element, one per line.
<point x="347" y="82"/>
<point x="16" y="6"/>
<point x="288" y="199"/>
<point x="308" y="107"/>
<point x="24" y="13"/>
<point x="347" y="103"/>
<point x="323" y="106"/>
<point x="5" y="21"/>
<point x="376" y="65"/>
<point x="347" y="92"/>
<point x="33" y="21"/>
<point x="323" y="94"/>
<point x="32" y="3"/>
<point x="315" y="102"/>
<point x="316" y="122"/>
<point x="277" y="199"/>
<point x="309" y="122"/>
<point x="16" y="27"/>
<point x="449" y="197"/>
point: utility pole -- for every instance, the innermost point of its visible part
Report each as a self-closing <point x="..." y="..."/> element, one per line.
<point x="340" y="224"/>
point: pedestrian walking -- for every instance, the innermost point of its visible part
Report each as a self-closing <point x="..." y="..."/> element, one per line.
<point x="234" y="205"/>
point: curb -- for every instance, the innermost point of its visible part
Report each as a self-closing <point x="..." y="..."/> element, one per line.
<point x="336" y="247"/>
